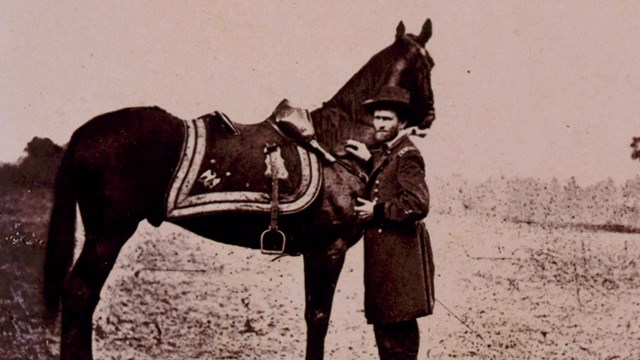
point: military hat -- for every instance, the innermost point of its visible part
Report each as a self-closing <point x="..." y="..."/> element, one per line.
<point x="392" y="98"/>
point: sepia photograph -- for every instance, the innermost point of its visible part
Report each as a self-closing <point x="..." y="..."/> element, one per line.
<point x="289" y="179"/>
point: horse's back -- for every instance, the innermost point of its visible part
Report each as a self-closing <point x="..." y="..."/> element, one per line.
<point x="124" y="160"/>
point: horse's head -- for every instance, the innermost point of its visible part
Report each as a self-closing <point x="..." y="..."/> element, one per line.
<point x="405" y="63"/>
<point x="410" y="68"/>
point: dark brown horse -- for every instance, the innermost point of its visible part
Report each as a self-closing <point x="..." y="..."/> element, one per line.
<point x="118" y="167"/>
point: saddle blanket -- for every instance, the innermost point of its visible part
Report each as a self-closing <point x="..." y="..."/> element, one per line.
<point x="222" y="170"/>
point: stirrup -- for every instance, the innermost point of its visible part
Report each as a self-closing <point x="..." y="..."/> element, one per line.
<point x="270" y="237"/>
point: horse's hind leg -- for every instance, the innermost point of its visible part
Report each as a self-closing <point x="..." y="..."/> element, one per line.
<point x="82" y="289"/>
<point x="322" y="266"/>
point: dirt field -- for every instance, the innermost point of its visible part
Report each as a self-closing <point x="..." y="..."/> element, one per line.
<point x="504" y="290"/>
<point x="523" y="292"/>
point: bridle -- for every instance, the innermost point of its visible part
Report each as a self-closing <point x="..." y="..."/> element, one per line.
<point x="364" y="178"/>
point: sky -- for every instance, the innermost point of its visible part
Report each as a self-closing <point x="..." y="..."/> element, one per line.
<point x="544" y="89"/>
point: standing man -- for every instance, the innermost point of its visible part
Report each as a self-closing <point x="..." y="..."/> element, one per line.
<point x="398" y="259"/>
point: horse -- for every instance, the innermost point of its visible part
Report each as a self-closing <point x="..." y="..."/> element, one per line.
<point x="117" y="169"/>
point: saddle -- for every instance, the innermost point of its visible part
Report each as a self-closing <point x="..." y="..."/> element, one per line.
<point x="227" y="166"/>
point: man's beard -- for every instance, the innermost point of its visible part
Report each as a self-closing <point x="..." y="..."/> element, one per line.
<point x="386" y="136"/>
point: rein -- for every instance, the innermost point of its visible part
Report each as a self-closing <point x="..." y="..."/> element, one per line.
<point x="413" y="131"/>
<point x="364" y="178"/>
<point x="327" y="156"/>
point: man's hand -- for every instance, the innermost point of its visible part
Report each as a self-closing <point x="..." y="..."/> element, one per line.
<point x="358" y="149"/>
<point x="364" y="209"/>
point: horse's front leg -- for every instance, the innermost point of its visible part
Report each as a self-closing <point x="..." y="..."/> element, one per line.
<point x="322" y="266"/>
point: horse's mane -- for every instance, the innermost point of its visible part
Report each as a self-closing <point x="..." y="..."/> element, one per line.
<point x="343" y="116"/>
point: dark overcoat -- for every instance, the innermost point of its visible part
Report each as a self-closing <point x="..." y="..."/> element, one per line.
<point x="398" y="265"/>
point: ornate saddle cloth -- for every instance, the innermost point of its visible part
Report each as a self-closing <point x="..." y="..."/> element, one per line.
<point x="224" y="167"/>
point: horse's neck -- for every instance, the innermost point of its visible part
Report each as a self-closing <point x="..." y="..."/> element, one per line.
<point x="363" y="85"/>
<point x="343" y="117"/>
<point x="332" y="126"/>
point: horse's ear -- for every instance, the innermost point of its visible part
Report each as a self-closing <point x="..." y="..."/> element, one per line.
<point x="400" y="30"/>
<point x="425" y="34"/>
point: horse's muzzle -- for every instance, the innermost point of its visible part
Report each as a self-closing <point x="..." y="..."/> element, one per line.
<point x="428" y="119"/>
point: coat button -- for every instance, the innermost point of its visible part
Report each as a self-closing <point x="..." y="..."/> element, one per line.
<point x="379" y="231"/>
<point x="375" y="190"/>
<point x="377" y="181"/>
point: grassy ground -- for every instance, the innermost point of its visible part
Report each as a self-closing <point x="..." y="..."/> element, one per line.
<point x="505" y="291"/>
<point x="23" y="219"/>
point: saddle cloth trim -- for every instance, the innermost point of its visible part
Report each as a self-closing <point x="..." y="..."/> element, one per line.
<point x="180" y="204"/>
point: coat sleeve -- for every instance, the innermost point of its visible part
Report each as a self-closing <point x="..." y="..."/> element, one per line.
<point x="411" y="202"/>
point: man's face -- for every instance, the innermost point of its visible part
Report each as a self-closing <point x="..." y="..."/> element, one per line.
<point x="387" y="125"/>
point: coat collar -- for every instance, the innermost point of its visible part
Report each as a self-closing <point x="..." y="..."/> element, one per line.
<point x="398" y="139"/>
<point x="385" y="152"/>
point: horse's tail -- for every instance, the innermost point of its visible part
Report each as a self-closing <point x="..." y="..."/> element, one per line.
<point x="61" y="238"/>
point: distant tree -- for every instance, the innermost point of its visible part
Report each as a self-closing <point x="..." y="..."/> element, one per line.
<point x="493" y="197"/>
<point x="36" y="169"/>
<point x="8" y="176"/>
<point x="39" y="167"/>
<point x="571" y="201"/>
<point x="629" y="211"/>
<point x="635" y="148"/>
<point x="555" y="198"/>
<point x="599" y="201"/>
<point x="526" y="197"/>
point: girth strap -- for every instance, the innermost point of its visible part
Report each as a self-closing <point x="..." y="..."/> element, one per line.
<point x="273" y="240"/>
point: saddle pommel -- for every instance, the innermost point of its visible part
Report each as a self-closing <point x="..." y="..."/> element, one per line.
<point x="294" y="122"/>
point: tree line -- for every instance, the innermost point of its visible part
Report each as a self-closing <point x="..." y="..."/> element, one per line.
<point x="37" y="169"/>
<point x="535" y="200"/>
<point x="517" y="199"/>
